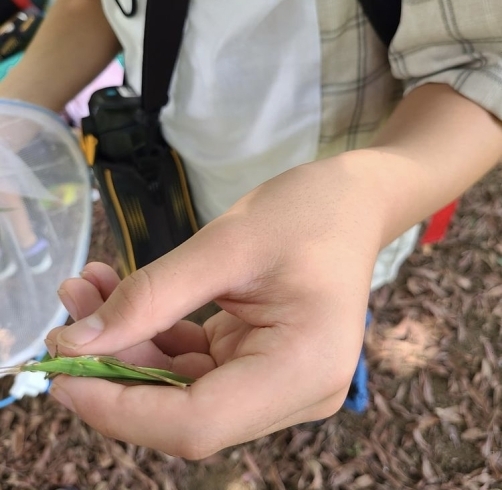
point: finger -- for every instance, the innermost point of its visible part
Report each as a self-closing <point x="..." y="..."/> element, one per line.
<point x="152" y="299"/>
<point x="80" y="297"/>
<point x="51" y="341"/>
<point x="193" y="364"/>
<point x="144" y="354"/>
<point x="182" y="338"/>
<point x="102" y="276"/>
<point x="147" y="354"/>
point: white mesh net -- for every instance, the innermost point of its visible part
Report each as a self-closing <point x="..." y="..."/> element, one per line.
<point x="45" y="218"/>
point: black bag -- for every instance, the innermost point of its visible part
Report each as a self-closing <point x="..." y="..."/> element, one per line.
<point x="141" y="179"/>
<point x="17" y="27"/>
<point x="9" y="8"/>
<point x="384" y="16"/>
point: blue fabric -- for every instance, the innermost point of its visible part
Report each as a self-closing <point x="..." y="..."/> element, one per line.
<point x="13" y="60"/>
<point x="358" y="397"/>
<point x="9" y="63"/>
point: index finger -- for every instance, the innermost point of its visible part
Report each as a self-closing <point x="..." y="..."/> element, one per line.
<point x="154" y="298"/>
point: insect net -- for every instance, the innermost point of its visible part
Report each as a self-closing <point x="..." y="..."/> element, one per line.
<point x="45" y="219"/>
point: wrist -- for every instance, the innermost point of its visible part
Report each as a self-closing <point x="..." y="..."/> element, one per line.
<point x="387" y="186"/>
<point x="359" y="196"/>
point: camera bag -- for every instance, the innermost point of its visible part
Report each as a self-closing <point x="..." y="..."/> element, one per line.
<point x="141" y="178"/>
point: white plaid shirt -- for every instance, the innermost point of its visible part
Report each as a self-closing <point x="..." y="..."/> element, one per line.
<point x="264" y="85"/>
<point x="456" y="42"/>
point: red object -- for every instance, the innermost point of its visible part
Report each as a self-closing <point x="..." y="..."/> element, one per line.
<point x="23" y="4"/>
<point x="438" y="225"/>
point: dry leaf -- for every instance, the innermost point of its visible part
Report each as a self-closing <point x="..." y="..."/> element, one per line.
<point x="404" y="348"/>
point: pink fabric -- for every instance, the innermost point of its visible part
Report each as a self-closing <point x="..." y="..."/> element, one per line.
<point x="112" y="76"/>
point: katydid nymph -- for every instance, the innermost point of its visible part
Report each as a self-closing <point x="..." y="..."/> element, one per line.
<point x="105" y="367"/>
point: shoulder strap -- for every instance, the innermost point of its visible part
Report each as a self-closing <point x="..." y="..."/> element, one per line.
<point x="384" y="16"/>
<point x="164" y="24"/>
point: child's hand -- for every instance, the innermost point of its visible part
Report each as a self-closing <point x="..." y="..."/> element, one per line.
<point x="290" y="264"/>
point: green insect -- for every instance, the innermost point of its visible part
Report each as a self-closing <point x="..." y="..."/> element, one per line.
<point x="105" y="367"/>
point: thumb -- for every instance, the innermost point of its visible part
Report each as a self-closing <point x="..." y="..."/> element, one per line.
<point x="152" y="299"/>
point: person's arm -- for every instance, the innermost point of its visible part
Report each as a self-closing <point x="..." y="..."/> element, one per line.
<point x="434" y="147"/>
<point x="446" y="133"/>
<point x="73" y="45"/>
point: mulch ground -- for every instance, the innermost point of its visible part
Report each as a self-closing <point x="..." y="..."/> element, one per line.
<point x="435" y="356"/>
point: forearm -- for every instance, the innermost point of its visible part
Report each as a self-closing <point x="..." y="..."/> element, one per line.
<point x="73" y="45"/>
<point x="434" y="147"/>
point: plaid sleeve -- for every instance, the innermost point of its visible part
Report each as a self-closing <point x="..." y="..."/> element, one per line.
<point x="456" y="42"/>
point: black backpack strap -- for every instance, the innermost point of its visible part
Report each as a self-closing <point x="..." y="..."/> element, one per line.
<point x="384" y="16"/>
<point x="164" y="25"/>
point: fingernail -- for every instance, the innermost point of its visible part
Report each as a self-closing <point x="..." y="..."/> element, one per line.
<point x="67" y="301"/>
<point x="51" y="347"/>
<point x="62" y="396"/>
<point x="84" y="274"/>
<point x="81" y="333"/>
